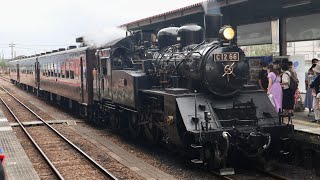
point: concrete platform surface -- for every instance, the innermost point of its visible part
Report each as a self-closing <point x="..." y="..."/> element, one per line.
<point x="17" y="164"/>
<point x="303" y="122"/>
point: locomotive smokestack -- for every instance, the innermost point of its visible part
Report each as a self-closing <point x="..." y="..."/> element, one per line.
<point x="213" y="23"/>
<point x="212" y="19"/>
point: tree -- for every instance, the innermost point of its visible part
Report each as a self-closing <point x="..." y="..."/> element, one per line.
<point x="3" y="63"/>
<point x="262" y="50"/>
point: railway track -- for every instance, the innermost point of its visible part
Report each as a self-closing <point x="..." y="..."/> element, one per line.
<point x="262" y="175"/>
<point x="64" y="158"/>
<point x="273" y="175"/>
<point x="260" y="172"/>
<point x="4" y="78"/>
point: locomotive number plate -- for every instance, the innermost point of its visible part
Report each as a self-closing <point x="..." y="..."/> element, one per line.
<point x="226" y="56"/>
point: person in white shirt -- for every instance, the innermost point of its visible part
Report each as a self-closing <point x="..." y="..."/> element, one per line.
<point x="288" y="93"/>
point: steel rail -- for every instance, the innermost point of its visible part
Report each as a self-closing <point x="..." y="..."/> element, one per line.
<point x="221" y="176"/>
<point x="215" y="173"/>
<point x="33" y="141"/>
<point x="102" y="169"/>
<point x="273" y="174"/>
<point x="5" y="79"/>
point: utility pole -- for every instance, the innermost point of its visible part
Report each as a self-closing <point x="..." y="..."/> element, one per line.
<point x="12" y="46"/>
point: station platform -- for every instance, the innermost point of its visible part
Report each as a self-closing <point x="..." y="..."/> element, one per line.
<point x="17" y="164"/>
<point x="304" y="123"/>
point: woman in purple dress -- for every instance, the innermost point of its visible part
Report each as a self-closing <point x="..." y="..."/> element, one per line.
<point x="274" y="87"/>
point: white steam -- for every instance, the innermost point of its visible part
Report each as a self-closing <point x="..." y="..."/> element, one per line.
<point x="99" y="38"/>
<point x="210" y="7"/>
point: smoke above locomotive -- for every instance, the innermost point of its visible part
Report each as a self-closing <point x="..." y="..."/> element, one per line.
<point x="101" y="38"/>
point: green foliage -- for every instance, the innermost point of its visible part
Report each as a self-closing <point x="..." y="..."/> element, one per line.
<point x="3" y="63"/>
<point x="262" y="50"/>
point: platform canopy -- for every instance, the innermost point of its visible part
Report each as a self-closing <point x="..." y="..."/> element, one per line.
<point x="235" y="11"/>
<point x="257" y="21"/>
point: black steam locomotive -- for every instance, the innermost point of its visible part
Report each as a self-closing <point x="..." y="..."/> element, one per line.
<point x="186" y="90"/>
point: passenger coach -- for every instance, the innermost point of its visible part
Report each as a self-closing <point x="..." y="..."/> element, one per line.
<point x="63" y="76"/>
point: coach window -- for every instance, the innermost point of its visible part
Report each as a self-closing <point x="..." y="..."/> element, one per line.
<point x="47" y="70"/>
<point x="63" y="68"/>
<point x="55" y="70"/>
<point x="76" y="74"/>
<point x="67" y="70"/>
<point x="52" y="70"/>
<point x="42" y="70"/>
<point x="58" y="69"/>
<point x="72" y="68"/>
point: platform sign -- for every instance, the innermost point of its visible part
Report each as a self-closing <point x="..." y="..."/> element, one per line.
<point x="299" y="67"/>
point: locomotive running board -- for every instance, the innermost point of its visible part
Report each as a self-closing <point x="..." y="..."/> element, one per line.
<point x="226" y="171"/>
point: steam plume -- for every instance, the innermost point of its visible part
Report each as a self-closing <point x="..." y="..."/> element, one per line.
<point x="99" y="38"/>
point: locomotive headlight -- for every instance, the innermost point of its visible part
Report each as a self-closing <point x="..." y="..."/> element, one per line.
<point x="227" y="33"/>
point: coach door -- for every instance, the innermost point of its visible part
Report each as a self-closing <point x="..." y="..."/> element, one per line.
<point x="81" y="79"/>
<point x="104" y="74"/>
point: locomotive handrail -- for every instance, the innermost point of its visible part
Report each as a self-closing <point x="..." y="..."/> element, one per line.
<point x="241" y="120"/>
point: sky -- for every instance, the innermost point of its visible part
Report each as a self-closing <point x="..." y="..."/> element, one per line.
<point x="36" y="26"/>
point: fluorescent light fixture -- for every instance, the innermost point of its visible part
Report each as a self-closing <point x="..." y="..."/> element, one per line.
<point x="294" y="4"/>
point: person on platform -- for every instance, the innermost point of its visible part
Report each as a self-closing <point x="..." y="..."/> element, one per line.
<point x="297" y="95"/>
<point x="263" y="77"/>
<point x="2" y="171"/>
<point x="314" y="61"/>
<point x="274" y="87"/>
<point x="315" y="92"/>
<point x="288" y="93"/>
<point x="292" y="71"/>
<point x="277" y="66"/>
<point x="308" y="101"/>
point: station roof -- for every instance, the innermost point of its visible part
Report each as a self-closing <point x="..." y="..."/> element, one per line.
<point x="235" y="12"/>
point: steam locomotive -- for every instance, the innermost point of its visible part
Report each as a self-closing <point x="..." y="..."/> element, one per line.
<point x="186" y="89"/>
